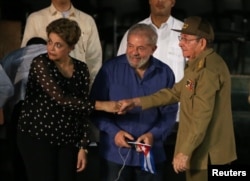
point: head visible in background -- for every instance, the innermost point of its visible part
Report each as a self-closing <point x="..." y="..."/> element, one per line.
<point x="61" y="5"/>
<point x="196" y="35"/>
<point x="36" y="40"/>
<point x="141" y="44"/>
<point x="62" y="34"/>
<point x="160" y="11"/>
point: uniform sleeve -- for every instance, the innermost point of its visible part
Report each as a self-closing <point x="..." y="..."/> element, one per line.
<point x="163" y="97"/>
<point x="166" y="117"/>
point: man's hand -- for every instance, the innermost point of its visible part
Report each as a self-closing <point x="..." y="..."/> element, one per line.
<point x="128" y="104"/>
<point x="146" y="138"/>
<point x="121" y="139"/>
<point x="180" y="162"/>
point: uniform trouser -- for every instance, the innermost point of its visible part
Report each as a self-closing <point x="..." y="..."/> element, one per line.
<point x="196" y="175"/>
<point x="45" y="162"/>
<point x="113" y="172"/>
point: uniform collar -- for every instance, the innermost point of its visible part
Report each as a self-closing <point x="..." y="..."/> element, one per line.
<point x="200" y="59"/>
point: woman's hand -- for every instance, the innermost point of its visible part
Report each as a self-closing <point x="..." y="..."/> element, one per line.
<point x="107" y="106"/>
<point x="81" y="160"/>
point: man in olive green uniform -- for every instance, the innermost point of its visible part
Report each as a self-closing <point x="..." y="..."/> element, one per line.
<point x="205" y="134"/>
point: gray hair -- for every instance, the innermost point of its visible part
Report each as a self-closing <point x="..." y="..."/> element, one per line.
<point x="144" y="29"/>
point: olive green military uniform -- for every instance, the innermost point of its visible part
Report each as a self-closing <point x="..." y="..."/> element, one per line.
<point x="205" y="130"/>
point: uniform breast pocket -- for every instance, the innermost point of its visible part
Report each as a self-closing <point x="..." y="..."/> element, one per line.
<point x="187" y="96"/>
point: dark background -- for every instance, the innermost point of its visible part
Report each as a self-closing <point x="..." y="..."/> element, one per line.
<point x="230" y="19"/>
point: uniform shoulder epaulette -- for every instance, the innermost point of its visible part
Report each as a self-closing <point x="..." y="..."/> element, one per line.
<point x="201" y="64"/>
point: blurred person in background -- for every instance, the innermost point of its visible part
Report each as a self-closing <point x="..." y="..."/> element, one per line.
<point x="88" y="48"/>
<point x="16" y="65"/>
<point x="6" y="91"/>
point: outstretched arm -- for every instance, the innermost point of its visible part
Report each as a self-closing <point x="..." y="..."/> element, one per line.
<point x="107" y="106"/>
<point x="163" y="97"/>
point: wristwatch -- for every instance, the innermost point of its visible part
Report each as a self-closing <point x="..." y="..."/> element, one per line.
<point x="85" y="150"/>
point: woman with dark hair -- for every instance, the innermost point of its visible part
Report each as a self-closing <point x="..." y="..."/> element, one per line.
<point x="53" y="124"/>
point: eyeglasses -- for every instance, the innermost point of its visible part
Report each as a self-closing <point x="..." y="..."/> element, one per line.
<point x="185" y="40"/>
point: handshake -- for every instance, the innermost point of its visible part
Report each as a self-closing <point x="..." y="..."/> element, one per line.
<point x="117" y="107"/>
